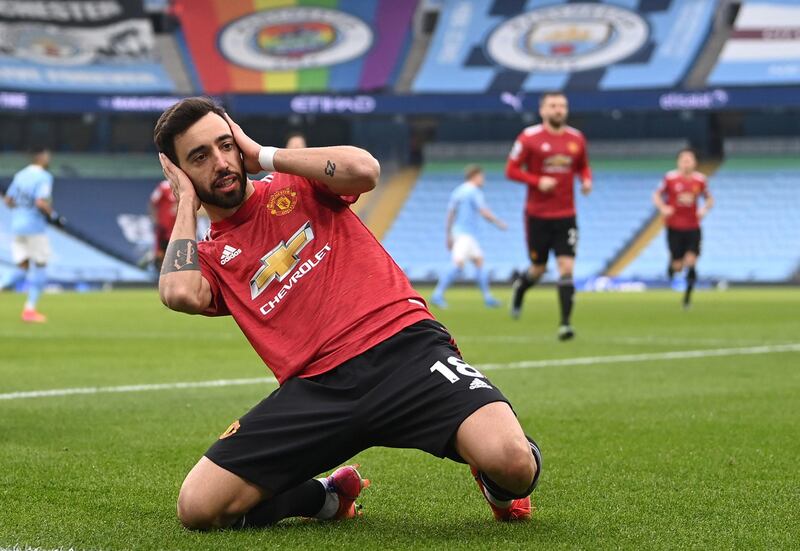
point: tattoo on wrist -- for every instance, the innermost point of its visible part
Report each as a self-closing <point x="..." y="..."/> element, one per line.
<point x="181" y="256"/>
<point x="330" y="169"/>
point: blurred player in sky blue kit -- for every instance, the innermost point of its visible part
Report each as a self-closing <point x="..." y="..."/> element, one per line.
<point x="30" y="200"/>
<point x="467" y="207"/>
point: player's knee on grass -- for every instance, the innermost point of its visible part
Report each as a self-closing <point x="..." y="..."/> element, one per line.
<point x="212" y="497"/>
<point x="198" y="511"/>
<point x="193" y="513"/>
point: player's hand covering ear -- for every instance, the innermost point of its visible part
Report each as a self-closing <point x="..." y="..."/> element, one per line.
<point x="181" y="185"/>
<point x="248" y="146"/>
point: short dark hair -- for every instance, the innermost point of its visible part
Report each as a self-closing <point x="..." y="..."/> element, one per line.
<point x="177" y="119"/>
<point x="687" y="150"/>
<point x="472" y="170"/>
<point x="550" y="94"/>
<point x="39" y="149"/>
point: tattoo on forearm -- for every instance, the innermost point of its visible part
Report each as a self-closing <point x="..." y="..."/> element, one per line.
<point x="181" y="256"/>
<point x="330" y="169"/>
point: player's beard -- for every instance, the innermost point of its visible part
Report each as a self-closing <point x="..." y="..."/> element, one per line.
<point x="556" y="122"/>
<point x="228" y="199"/>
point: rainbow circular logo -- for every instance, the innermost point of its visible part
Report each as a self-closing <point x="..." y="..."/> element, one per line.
<point x="288" y="39"/>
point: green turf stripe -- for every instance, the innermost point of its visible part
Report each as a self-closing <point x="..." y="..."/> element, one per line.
<point x="657" y="164"/>
<point x="761" y="163"/>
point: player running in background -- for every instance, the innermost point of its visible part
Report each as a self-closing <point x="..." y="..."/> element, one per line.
<point x="467" y="207"/>
<point x="163" y="209"/>
<point x="676" y="199"/>
<point x="547" y="157"/>
<point x="358" y="356"/>
<point x="295" y="140"/>
<point x="30" y="198"/>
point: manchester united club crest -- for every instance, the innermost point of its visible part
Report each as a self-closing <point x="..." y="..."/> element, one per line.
<point x="573" y="148"/>
<point x="231" y="430"/>
<point x="282" y="202"/>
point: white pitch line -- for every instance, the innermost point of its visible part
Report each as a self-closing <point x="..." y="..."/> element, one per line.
<point x="633" y="341"/>
<point x="133" y="388"/>
<point x="586" y="360"/>
<point x="648" y="356"/>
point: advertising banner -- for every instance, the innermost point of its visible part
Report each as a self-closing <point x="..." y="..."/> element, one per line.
<point x="493" y="45"/>
<point x="279" y="46"/>
<point x="79" y="46"/>
<point x="764" y="47"/>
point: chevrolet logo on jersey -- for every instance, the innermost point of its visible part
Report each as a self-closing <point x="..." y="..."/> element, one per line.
<point x="280" y="261"/>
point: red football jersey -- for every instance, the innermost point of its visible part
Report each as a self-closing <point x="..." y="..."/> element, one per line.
<point x="681" y="193"/>
<point x="166" y="207"/>
<point x="543" y="153"/>
<point x="305" y="280"/>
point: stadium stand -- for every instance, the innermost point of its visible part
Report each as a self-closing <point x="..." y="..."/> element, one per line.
<point x="239" y="47"/>
<point x="73" y="262"/>
<point x="447" y="55"/>
<point x="607" y="219"/>
<point x="753" y="234"/>
<point x="763" y="47"/>
<point x="475" y="50"/>
<point x="79" y="48"/>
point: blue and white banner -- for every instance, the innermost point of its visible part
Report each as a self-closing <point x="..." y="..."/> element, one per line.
<point x="79" y="46"/>
<point x="764" y="47"/>
<point x="535" y="45"/>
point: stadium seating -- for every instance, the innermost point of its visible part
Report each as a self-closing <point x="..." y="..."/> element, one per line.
<point x="607" y="219"/>
<point x="753" y="234"/>
<point x="72" y="261"/>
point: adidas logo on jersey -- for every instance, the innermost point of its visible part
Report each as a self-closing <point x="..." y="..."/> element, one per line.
<point x="228" y="254"/>
<point x="478" y="383"/>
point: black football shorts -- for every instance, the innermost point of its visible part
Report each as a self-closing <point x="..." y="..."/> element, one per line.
<point x="413" y="390"/>
<point x="683" y="241"/>
<point x="545" y="234"/>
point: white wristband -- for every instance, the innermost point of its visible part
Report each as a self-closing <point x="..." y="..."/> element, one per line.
<point x="265" y="158"/>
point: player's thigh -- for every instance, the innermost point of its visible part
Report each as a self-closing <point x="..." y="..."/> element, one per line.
<point x="565" y="237"/>
<point x="539" y="238"/>
<point x="676" y="244"/>
<point x="460" y="253"/>
<point x="39" y="249"/>
<point x="212" y="496"/>
<point x="426" y="391"/>
<point x="304" y="428"/>
<point x="474" y="251"/>
<point x="20" y="249"/>
<point x="695" y="241"/>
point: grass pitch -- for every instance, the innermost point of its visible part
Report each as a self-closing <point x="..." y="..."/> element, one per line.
<point x="654" y="451"/>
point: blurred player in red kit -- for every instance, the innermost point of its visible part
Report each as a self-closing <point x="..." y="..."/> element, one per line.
<point x="547" y="157"/>
<point x="163" y="210"/>
<point x="676" y="199"/>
